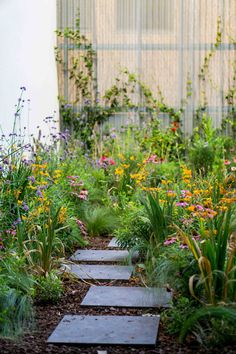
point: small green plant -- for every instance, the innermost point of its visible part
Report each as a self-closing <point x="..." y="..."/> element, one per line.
<point x="48" y="288"/>
<point x="43" y="248"/>
<point x="173" y="268"/>
<point x="159" y="216"/>
<point x="100" y="221"/>
<point x="173" y="318"/>
<point x="211" y="325"/>
<point x="134" y="232"/>
<point x="202" y="157"/>
<point x="215" y="257"/>
<point x="16" y="290"/>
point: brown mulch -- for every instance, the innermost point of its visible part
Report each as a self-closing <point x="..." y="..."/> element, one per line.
<point x="49" y="315"/>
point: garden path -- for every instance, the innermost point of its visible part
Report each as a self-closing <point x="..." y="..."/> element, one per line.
<point x="110" y="330"/>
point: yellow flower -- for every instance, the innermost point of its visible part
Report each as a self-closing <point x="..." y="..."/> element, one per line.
<point x="191" y="208"/>
<point x="151" y="189"/>
<point x="132" y="158"/>
<point x="119" y="171"/>
<point x="125" y="166"/>
<point x="171" y="194"/>
<point x="121" y="157"/>
<point x="45" y="174"/>
<point x="16" y="194"/>
<point x="32" y="187"/>
<point x="62" y="215"/>
<point x="44" y="183"/>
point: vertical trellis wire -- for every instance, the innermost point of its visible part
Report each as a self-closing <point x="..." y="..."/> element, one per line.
<point x="164" y="42"/>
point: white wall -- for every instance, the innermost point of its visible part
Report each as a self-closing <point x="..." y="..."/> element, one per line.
<point x="27" y="39"/>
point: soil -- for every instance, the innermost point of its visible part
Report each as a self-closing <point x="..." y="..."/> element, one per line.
<point x="49" y="315"/>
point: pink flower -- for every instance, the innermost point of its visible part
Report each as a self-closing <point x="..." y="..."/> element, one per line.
<point x="103" y="158"/>
<point x="181" y="204"/>
<point x="170" y="241"/>
<point x="111" y="162"/>
<point x="227" y="162"/>
<point x="200" y="207"/>
<point x="183" y="246"/>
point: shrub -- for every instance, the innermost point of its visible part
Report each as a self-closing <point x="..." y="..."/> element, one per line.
<point x="48" y="288"/>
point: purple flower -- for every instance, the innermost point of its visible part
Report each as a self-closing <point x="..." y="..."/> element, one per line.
<point x="18" y="221"/>
<point x="39" y="193"/>
<point x="32" y="179"/>
<point x="25" y="206"/>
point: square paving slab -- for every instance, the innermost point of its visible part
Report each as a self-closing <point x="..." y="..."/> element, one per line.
<point x="116" y="296"/>
<point x="99" y="272"/>
<point x="100" y="256"/>
<point x="96" y="330"/>
<point x="113" y="243"/>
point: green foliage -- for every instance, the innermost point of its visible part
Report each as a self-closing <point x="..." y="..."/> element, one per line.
<point x="48" y="288"/>
<point x="173" y="268"/>
<point x="202" y="157"/>
<point x="174" y="317"/>
<point x="216" y="261"/>
<point x="43" y="247"/>
<point x="100" y="221"/>
<point x="16" y="312"/>
<point x="211" y="325"/>
<point x="134" y="232"/>
<point x="16" y="289"/>
<point x="159" y="216"/>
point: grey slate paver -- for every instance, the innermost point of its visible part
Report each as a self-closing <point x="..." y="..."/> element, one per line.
<point x="99" y="272"/>
<point x="100" y="256"/>
<point x="113" y="243"/>
<point x="116" y="296"/>
<point x="96" y="330"/>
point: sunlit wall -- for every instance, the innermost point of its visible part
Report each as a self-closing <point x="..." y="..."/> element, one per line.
<point x="165" y="42"/>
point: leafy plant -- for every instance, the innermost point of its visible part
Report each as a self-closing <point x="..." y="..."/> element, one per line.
<point x="16" y="312"/>
<point x="211" y="325"/>
<point x="159" y="217"/>
<point x="174" y="317"/>
<point x="16" y="289"/>
<point x="216" y="260"/>
<point x="48" y="288"/>
<point x="100" y="221"/>
<point x="44" y="247"/>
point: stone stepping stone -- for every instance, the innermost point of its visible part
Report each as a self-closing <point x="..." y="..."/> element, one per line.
<point x="116" y="296"/>
<point x="99" y="272"/>
<point x="113" y="243"/>
<point x="100" y="256"/>
<point x="109" y="330"/>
